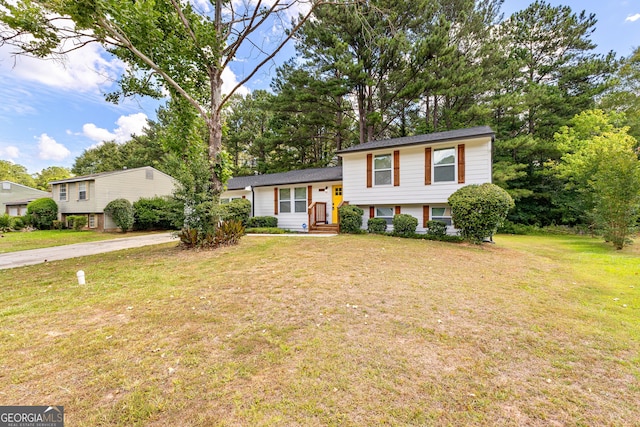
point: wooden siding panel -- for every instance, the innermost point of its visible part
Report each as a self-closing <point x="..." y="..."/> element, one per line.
<point x="309" y="195"/>
<point x="426" y="213"/>
<point x="398" y="210"/>
<point x="427" y="166"/>
<point x="461" y="164"/>
<point x="369" y="170"/>
<point x="396" y="168"/>
<point x="275" y="200"/>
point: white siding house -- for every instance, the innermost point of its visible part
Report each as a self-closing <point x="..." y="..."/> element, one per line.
<point x="413" y="175"/>
<point x="89" y="195"/>
<point x="417" y="174"/>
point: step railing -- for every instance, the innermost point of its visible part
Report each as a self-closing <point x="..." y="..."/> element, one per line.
<point x="317" y="213"/>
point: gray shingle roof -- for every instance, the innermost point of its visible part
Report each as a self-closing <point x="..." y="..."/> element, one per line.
<point x="100" y="174"/>
<point x="423" y="139"/>
<point x="283" y="178"/>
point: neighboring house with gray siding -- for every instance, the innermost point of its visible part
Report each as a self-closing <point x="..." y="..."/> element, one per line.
<point x="14" y="198"/>
<point x="414" y="175"/>
<point x="89" y="195"/>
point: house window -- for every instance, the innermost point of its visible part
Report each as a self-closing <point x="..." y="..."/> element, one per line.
<point x="382" y="169"/>
<point x="444" y="165"/>
<point x="148" y="174"/>
<point x="82" y="191"/>
<point x="63" y="192"/>
<point x="285" y="200"/>
<point x="300" y="199"/>
<point x="442" y="215"/>
<point x="6" y="186"/>
<point x="92" y="221"/>
<point x="386" y="213"/>
<point x="225" y="201"/>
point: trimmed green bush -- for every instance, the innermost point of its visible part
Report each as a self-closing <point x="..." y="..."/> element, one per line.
<point x="155" y="213"/>
<point x="121" y="211"/>
<point x="17" y="223"/>
<point x="42" y="213"/>
<point x="478" y="210"/>
<point x="436" y="228"/>
<point x="238" y="210"/>
<point x="5" y="223"/>
<point x="377" y="225"/>
<point x="350" y="219"/>
<point x="404" y="224"/>
<point x="262" y="222"/>
<point x="77" y="222"/>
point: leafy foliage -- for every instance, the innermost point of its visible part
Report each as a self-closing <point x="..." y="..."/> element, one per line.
<point x="236" y="210"/>
<point x="121" y="211"/>
<point x="156" y="213"/>
<point x="77" y="222"/>
<point x="478" y="210"/>
<point x="42" y="213"/>
<point x="377" y="225"/>
<point x="404" y="224"/>
<point x="262" y="222"/>
<point x="15" y="173"/>
<point x="602" y="166"/>
<point x="5" y="223"/>
<point x="350" y="217"/>
<point x="436" y="228"/>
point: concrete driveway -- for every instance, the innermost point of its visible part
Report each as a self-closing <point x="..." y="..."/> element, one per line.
<point x="37" y="256"/>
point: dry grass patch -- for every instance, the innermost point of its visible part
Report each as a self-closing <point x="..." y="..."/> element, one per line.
<point x="351" y="330"/>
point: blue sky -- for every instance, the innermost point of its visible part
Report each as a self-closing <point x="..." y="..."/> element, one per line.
<point x="50" y="111"/>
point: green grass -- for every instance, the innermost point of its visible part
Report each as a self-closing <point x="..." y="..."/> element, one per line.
<point x="351" y="330"/>
<point x="20" y="241"/>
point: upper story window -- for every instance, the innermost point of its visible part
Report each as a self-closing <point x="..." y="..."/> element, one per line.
<point x="382" y="169"/>
<point x="444" y="165"/>
<point x="82" y="191"/>
<point x="62" y="195"/>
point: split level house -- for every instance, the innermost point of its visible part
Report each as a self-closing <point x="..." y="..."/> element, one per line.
<point x="14" y="198"/>
<point x="89" y="195"/>
<point x="413" y="175"/>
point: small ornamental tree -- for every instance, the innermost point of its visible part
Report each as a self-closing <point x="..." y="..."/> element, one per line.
<point x="404" y="225"/>
<point x="42" y="213"/>
<point x="478" y="210"/>
<point x="121" y="211"/>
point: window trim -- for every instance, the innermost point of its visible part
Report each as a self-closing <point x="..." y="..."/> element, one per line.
<point x="85" y="191"/>
<point x="92" y="218"/>
<point x="375" y="170"/>
<point x="454" y="164"/>
<point x="292" y="201"/>
<point x="60" y="192"/>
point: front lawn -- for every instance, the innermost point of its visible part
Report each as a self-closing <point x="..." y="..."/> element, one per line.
<point x="24" y="240"/>
<point x="349" y="331"/>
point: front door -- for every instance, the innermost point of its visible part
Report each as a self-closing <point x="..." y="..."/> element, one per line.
<point x="336" y="200"/>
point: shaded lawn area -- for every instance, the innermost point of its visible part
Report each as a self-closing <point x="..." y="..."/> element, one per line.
<point x="350" y="330"/>
<point x="20" y="241"/>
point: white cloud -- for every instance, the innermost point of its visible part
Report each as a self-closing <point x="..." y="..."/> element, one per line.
<point x="87" y="69"/>
<point x="9" y="152"/>
<point x="633" y="18"/>
<point x="133" y="124"/>
<point x="50" y="149"/>
<point x="229" y="81"/>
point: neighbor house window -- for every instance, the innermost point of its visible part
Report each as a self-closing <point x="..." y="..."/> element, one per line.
<point x="225" y="201"/>
<point x="382" y="169"/>
<point x="285" y="200"/>
<point x="441" y="214"/>
<point x="386" y="213"/>
<point x="444" y="165"/>
<point x="63" y="192"/>
<point x="148" y="174"/>
<point x="82" y="191"/>
<point x="92" y="221"/>
<point x="6" y="186"/>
